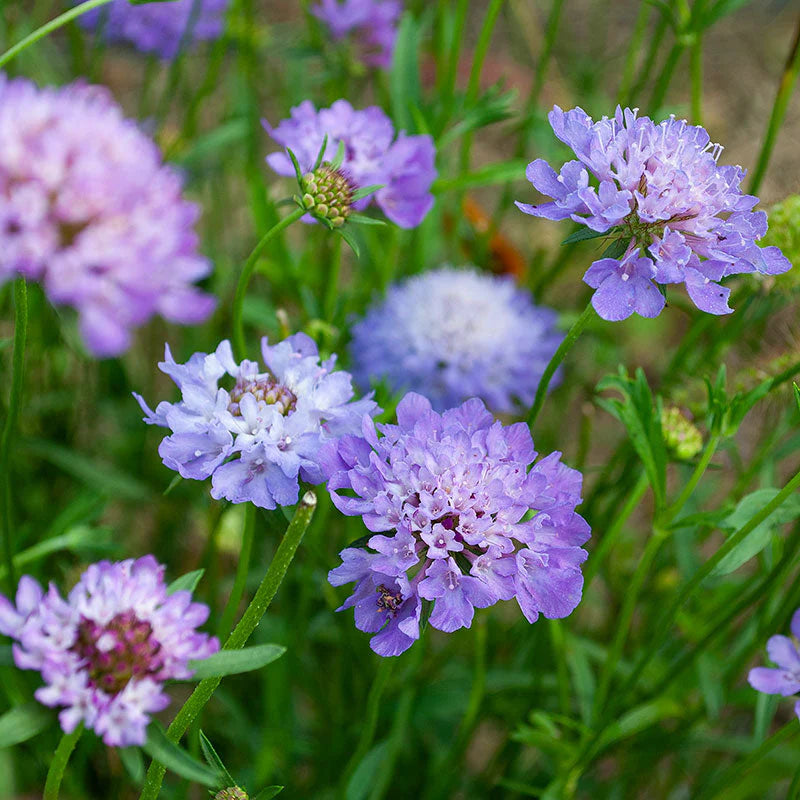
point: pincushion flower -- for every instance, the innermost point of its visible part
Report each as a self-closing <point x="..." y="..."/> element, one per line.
<point x="159" y="27"/>
<point x="371" y="23"/>
<point x="452" y="334"/>
<point x="460" y="517"/>
<point x="88" y="208"/>
<point x="106" y="650"/>
<point x="403" y="166"/>
<point x="257" y="438"/>
<point x="785" y="678"/>
<point x="660" y="190"/>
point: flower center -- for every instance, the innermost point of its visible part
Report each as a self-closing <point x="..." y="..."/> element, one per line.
<point x="117" y="652"/>
<point x="328" y="193"/>
<point x="265" y="390"/>
<point x="388" y="600"/>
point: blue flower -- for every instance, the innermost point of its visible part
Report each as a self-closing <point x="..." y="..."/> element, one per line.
<point x="452" y="334"/>
<point x="468" y="521"/>
<point x="258" y="438"/>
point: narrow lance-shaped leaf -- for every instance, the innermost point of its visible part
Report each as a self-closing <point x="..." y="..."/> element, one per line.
<point x="233" y="662"/>
<point x="177" y="760"/>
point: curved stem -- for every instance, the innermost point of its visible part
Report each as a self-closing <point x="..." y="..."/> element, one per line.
<point x="59" y="763"/>
<point x="238" y="638"/>
<point x="247" y="271"/>
<point x="17" y="381"/>
<point x="779" y="107"/>
<point x="565" y="346"/>
<point x="49" y="27"/>
<point x="242" y="569"/>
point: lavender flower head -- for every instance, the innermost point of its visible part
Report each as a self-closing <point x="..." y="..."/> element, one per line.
<point x="88" y="208"/>
<point x="452" y="334"/>
<point x="403" y="166"/>
<point x="258" y="437"/>
<point x="159" y="27"/>
<point x="785" y="678"/>
<point x="661" y="190"/>
<point x="372" y="23"/>
<point x="105" y="652"/>
<point x="448" y="497"/>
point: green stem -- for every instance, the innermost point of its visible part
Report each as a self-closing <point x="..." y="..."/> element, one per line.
<point x="17" y="382"/>
<point x="779" y="107"/>
<point x="370" y="723"/>
<point x="626" y="615"/>
<point x="59" y="763"/>
<point x="247" y="271"/>
<point x="332" y="289"/>
<point x="242" y="570"/>
<point x="49" y="27"/>
<point x="241" y="633"/>
<point x="691" y="484"/>
<point x="665" y="76"/>
<point x="565" y="346"/>
<point x="639" y="29"/>
<point x="610" y="536"/>
<point x="559" y="655"/>
<point x="696" y="71"/>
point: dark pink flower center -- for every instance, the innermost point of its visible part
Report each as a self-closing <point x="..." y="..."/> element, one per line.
<point x="117" y="652"/>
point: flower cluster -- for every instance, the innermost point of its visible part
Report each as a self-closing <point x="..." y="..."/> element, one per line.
<point x="469" y="522"/>
<point x="452" y="334"/>
<point x="785" y="679"/>
<point x="88" y="208"/>
<point x="660" y="190"/>
<point x="105" y="652"/>
<point x="371" y="23"/>
<point x="402" y="166"/>
<point x="257" y="438"/>
<point x="159" y="28"/>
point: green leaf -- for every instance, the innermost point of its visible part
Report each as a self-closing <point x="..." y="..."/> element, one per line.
<point x="338" y="157"/>
<point x="797" y="395"/>
<point x="318" y="159"/>
<point x="23" y="723"/>
<point x="187" y="582"/>
<point x="367" y="190"/>
<point x="233" y="662"/>
<point x="616" y="249"/>
<point x="583" y="234"/>
<point x="213" y="759"/>
<point x="132" y="760"/>
<point x="759" y="537"/>
<point x="366" y="773"/>
<point x="404" y="80"/>
<point x="177" y="760"/>
<point x="363" y="219"/>
<point x="268" y="792"/>
<point x="640" y="718"/>
<point x="351" y="242"/>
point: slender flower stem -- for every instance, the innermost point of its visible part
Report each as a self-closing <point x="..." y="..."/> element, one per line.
<point x="247" y="271"/>
<point x="241" y="633"/>
<point x="59" y="763"/>
<point x="17" y="382"/>
<point x="332" y="288"/>
<point x="242" y="569"/>
<point x="639" y="30"/>
<point x="696" y="71"/>
<point x="691" y="484"/>
<point x="565" y="346"/>
<point x="785" y="88"/>
<point x="49" y="27"/>
<point x="610" y="536"/>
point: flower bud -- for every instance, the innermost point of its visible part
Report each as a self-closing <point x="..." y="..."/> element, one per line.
<point x="328" y="194"/>
<point x="681" y="436"/>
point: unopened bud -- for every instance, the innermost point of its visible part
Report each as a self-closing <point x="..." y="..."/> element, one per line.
<point x="328" y="194"/>
<point x="681" y="436"/>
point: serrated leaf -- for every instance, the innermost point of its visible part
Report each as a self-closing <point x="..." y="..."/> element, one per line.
<point x="213" y="760"/>
<point x="233" y="662"/>
<point x="583" y="234"/>
<point x="759" y="537"/>
<point x="177" y="760"/>
<point x="187" y="582"/>
<point x="23" y="723"/>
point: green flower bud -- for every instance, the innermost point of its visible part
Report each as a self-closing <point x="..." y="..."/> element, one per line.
<point x="232" y="793"/>
<point x="681" y="436"/>
<point x="328" y="194"/>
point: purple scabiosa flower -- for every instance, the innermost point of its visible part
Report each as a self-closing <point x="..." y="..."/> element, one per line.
<point x="460" y="517"/>
<point x="257" y="438"/>
<point x="373" y="24"/>
<point x="452" y="334"/>
<point x="159" y="27"/>
<point x="785" y="678"/>
<point x="106" y="650"/>
<point x="660" y="190"/>
<point x="403" y="166"/>
<point x="88" y="208"/>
